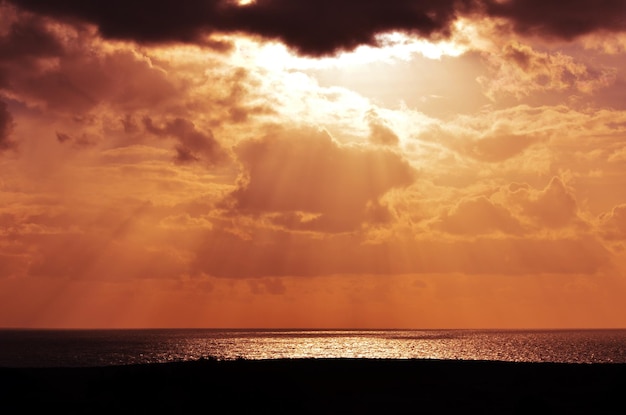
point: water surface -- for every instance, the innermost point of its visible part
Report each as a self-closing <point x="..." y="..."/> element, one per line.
<point x="69" y="348"/>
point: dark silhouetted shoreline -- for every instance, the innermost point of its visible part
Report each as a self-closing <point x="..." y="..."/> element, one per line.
<point x="313" y="386"/>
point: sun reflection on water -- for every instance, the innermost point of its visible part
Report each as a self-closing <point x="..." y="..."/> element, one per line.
<point x="114" y="347"/>
<point x="464" y="345"/>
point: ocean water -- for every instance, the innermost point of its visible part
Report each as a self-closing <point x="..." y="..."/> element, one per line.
<point x="73" y="348"/>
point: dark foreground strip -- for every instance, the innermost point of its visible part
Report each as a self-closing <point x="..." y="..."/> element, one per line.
<point x="314" y="386"/>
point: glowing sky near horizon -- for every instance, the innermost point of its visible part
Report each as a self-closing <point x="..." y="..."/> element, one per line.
<point x="213" y="163"/>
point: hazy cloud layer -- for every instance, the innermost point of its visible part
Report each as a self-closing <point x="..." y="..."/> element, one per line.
<point x="6" y="127"/>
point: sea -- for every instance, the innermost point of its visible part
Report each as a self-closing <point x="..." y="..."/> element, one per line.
<point x="89" y="348"/>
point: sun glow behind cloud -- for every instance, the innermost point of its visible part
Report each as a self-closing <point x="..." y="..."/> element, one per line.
<point x="391" y="47"/>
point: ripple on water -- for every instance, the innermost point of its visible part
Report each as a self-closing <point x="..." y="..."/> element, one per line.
<point x="114" y="347"/>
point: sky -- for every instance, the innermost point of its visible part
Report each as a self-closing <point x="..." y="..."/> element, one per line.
<point x="313" y="164"/>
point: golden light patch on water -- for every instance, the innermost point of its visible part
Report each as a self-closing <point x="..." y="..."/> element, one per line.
<point x="113" y="347"/>
<point x="447" y="345"/>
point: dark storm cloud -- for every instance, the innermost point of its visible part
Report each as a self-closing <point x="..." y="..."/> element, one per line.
<point x="22" y="41"/>
<point x="318" y="27"/>
<point x="26" y="38"/>
<point x="311" y="27"/>
<point x="560" y="19"/>
<point x="323" y="26"/>
<point x="156" y="21"/>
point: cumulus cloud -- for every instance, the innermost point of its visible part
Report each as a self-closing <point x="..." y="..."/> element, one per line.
<point x="328" y="186"/>
<point x="515" y="210"/>
<point x="553" y="207"/>
<point x="479" y="216"/>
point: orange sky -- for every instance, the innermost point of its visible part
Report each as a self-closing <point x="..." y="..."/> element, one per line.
<point x="322" y="164"/>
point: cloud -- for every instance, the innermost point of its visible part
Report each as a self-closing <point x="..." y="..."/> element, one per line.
<point x="26" y="37"/>
<point x="93" y="257"/>
<point x="613" y="224"/>
<point x="499" y="146"/>
<point x="478" y="216"/>
<point x="161" y="21"/>
<point x="100" y="100"/>
<point x="311" y="27"/>
<point x="273" y="252"/>
<point x="305" y="172"/>
<point x="67" y="68"/>
<point x="380" y="132"/>
<point x="77" y="142"/>
<point x="486" y="143"/>
<point x="320" y="27"/>
<point x="192" y="143"/>
<point x="80" y="80"/>
<point x="553" y="207"/>
<point x="516" y="209"/>
<point x="520" y="70"/>
<point x="6" y="127"/>
<point x="560" y="20"/>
